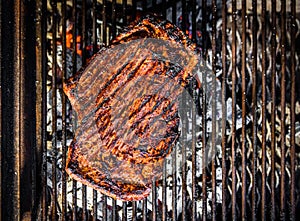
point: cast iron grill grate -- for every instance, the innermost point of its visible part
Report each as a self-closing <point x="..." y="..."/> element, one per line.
<point x="252" y="49"/>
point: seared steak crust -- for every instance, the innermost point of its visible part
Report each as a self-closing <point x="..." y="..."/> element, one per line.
<point x="126" y="101"/>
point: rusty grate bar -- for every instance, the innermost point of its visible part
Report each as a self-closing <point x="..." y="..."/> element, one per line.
<point x="233" y="95"/>
<point x="243" y="75"/>
<point x="224" y="111"/>
<point x="10" y="83"/>
<point x="273" y="86"/>
<point x="282" y="106"/>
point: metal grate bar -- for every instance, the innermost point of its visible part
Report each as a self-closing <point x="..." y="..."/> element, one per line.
<point x="224" y="110"/>
<point x="193" y="144"/>
<point x="174" y="153"/>
<point x="194" y="19"/>
<point x="273" y="116"/>
<point x="144" y="210"/>
<point x="174" y="11"/>
<point x="204" y="31"/>
<point x="153" y="3"/>
<point x="184" y="130"/>
<point x="44" y="107"/>
<point x="263" y="76"/>
<point x="213" y="136"/>
<point x="144" y="5"/>
<point x="10" y="82"/>
<point x="134" y="211"/>
<point x="94" y="11"/>
<point x="113" y="17"/>
<point x="104" y="207"/>
<point x="243" y="76"/>
<point x="104" y="24"/>
<point x="134" y="9"/>
<point x="282" y="106"/>
<point x="74" y="201"/>
<point x="95" y="49"/>
<point x="83" y="58"/>
<point x="95" y="205"/>
<point x="84" y="27"/>
<point x="74" y="61"/>
<point x="114" y="212"/>
<point x="124" y="214"/>
<point x="124" y="12"/>
<point x="233" y="94"/>
<point x="104" y="41"/>
<point x="293" y="118"/>
<point x="54" y="110"/>
<point x="254" y="106"/>
<point x="164" y="196"/>
<point x="1" y="113"/>
<point x="153" y="200"/>
<point x="184" y="16"/>
<point x="174" y="185"/>
<point x="204" y="154"/>
<point x="164" y="8"/>
<point x="64" y="113"/>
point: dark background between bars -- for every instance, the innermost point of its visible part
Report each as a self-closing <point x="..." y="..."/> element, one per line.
<point x="265" y="190"/>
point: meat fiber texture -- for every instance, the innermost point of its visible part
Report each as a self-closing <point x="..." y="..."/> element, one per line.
<point x="126" y="100"/>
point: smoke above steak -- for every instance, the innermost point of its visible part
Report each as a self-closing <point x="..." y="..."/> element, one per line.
<point x="126" y="100"/>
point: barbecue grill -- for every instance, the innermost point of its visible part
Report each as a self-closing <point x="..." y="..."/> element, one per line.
<point x="238" y="157"/>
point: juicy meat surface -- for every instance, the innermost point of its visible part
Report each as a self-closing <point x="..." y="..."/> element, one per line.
<point x="126" y="100"/>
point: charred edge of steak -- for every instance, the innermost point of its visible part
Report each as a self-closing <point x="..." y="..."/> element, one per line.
<point x="151" y="26"/>
<point x="79" y="169"/>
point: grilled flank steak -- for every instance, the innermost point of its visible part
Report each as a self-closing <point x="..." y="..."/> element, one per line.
<point x="126" y="100"/>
